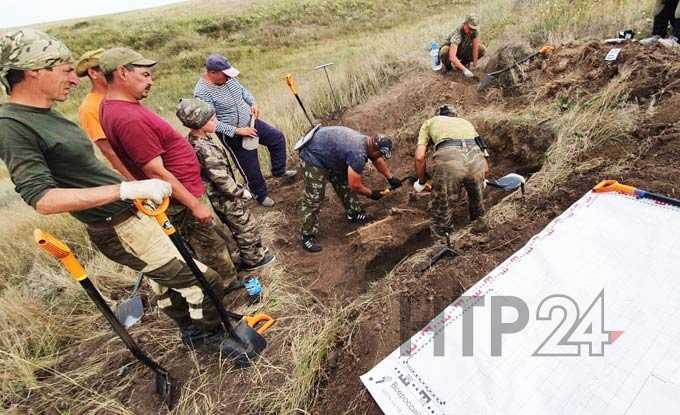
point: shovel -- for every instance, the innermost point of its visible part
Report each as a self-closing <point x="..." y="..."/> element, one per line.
<point x="508" y="182"/>
<point x="165" y="385"/>
<point x="489" y="78"/>
<point x="243" y="343"/>
<point x="291" y="84"/>
<point x="614" y="186"/>
<point x="130" y="311"/>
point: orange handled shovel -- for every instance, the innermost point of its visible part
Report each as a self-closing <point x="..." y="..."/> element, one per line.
<point x="291" y="85"/>
<point x="165" y="385"/>
<point x="244" y="343"/>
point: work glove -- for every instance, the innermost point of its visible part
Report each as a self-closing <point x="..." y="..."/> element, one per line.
<point x="394" y="183"/>
<point x="468" y="73"/>
<point x="153" y="189"/>
<point x="376" y="195"/>
<point x="246" y="195"/>
<point x="419" y="187"/>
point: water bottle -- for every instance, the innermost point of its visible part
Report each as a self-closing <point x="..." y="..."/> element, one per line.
<point x="253" y="287"/>
<point x="434" y="52"/>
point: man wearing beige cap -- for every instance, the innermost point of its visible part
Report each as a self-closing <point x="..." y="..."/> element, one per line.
<point x="463" y="47"/>
<point x="150" y="148"/>
<point x="88" y="113"/>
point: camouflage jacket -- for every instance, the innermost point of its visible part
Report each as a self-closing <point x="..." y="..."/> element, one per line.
<point x="459" y="38"/>
<point x="215" y="171"/>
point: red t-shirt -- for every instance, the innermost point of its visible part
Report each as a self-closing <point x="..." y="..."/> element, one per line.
<point x="138" y="135"/>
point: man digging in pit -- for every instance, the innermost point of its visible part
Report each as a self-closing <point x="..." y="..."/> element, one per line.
<point x="463" y="47"/>
<point x="338" y="155"/>
<point x="458" y="161"/>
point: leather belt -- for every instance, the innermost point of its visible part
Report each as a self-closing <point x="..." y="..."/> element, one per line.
<point x="114" y="220"/>
<point x="456" y="142"/>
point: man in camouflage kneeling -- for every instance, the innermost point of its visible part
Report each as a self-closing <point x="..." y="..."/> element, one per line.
<point x="227" y="198"/>
<point x="459" y="161"/>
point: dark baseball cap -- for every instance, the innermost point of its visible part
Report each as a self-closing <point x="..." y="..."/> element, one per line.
<point x="111" y="59"/>
<point x="384" y="144"/>
<point x="217" y="62"/>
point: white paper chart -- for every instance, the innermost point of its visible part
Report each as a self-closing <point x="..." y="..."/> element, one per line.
<point x="601" y="287"/>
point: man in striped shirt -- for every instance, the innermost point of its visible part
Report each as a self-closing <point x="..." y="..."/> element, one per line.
<point x="235" y="106"/>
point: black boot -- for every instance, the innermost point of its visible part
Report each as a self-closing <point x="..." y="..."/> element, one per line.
<point x="310" y="244"/>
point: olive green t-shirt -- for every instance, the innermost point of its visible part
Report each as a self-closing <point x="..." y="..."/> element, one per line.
<point x="442" y="127"/>
<point x="43" y="150"/>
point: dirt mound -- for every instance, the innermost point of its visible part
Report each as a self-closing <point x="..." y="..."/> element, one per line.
<point x="645" y="159"/>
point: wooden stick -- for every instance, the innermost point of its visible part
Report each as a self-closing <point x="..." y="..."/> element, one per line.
<point x="370" y="225"/>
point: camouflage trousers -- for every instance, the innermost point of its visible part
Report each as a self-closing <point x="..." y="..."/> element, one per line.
<point x="141" y="244"/>
<point x="455" y="167"/>
<point x="205" y="242"/>
<point x="464" y="55"/>
<point x="236" y="216"/>
<point x="315" y="189"/>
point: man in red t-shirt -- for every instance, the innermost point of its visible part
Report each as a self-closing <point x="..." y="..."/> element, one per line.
<point x="150" y="148"/>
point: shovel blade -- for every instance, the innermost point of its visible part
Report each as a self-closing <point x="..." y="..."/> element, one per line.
<point x="508" y="183"/>
<point x="245" y="346"/>
<point x="130" y="311"/>
<point x="166" y="388"/>
<point x="488" y="79"/>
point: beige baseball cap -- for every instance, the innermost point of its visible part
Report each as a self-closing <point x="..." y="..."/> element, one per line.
<point x="113" y="58"/>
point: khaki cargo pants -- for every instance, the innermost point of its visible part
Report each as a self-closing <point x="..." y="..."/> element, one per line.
<point x="140" y="243"/>
<point x="455" y="167"/>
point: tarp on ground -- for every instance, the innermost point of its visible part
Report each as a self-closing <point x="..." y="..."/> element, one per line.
<point x="601" y="284"/>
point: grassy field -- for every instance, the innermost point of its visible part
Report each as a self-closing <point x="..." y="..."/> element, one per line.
<point x="372" y="43"/>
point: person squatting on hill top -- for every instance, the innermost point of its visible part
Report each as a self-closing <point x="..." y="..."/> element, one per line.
<point x="53" y="167"/>
<point x="665" y="12"/>
<point x="458" y="161"/>
<point x="338" y="155"/>
<point x="88" y="113"/>
<point x="150" y="148"/>
<point x="463" y="47"/>
<point x="227" y="198"/>
<point x="235" y="106"/>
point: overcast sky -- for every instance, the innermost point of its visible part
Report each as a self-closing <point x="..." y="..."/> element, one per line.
<point x="25" y="12"/>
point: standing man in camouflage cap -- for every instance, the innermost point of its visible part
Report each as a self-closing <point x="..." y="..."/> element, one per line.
<point x="150" y="148"/>
<point x="338" y="155"/>
<point x="463" y="47"/>
<point x="54" y="169"/>
<point x="227" y="198"/>
<point x="88" y="113"/>
<point x="458" y="161"/>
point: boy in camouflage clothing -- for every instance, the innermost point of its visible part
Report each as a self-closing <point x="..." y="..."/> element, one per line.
<point x="227" y="197"/>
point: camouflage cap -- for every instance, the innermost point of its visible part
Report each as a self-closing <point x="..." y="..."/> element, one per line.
<point x="30" y="49"/>
<point x="384" y="144"/>
<point x="89" y="60"/>
<point x="473" y="21"/>
<point x="115" y="57"/>
<point x="194" y="113"/>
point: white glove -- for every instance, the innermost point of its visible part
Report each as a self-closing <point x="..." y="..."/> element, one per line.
<point x="246" y="195"/>
<point x="468" y="73"/>
<point x="154" y="189"/>
<point x="419" y="187"/>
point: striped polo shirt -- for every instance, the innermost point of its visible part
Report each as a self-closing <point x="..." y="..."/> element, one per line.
<point x="232" y="102"/>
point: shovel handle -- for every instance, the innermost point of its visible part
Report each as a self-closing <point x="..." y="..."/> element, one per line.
<point x="253" y="321"/>
<point x="614" y="186"/>
<point x="291" y="83"/>
<point x="158" y="213"/>
<point x="62" y="252"/>
<point x="547" y="49"/>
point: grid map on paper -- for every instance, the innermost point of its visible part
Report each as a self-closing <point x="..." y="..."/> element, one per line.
<point x="629" y="249"/>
